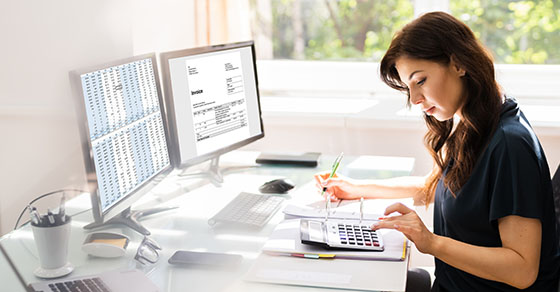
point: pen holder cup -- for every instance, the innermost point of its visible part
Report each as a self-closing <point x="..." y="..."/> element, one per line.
<point x="52" y="246"/>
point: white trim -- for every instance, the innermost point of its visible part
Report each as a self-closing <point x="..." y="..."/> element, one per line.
<point x="319" y="77"/>
<point x="382" y="113"/>
<point x="530" y="81"/>
<point x="324" y="78"/>
<point x="424" y="6"/>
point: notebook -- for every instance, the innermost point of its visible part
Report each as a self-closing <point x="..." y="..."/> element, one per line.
<point x="285" y="240"/>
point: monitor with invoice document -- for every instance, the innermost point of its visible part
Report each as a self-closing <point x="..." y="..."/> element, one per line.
<point x="212" y="99"/>
<point x="124" y="136"/>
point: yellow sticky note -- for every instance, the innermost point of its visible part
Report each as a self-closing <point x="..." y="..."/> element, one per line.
<point x="120" y="242"/>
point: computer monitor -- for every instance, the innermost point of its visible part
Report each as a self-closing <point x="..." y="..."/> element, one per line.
<point x="124" y="136"/>
<point x="213" y="103"/>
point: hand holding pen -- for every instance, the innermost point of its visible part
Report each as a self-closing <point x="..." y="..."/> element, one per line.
<point x="333" y="172"/>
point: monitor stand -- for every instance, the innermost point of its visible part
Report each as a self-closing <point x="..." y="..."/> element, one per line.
<point x="130" y="218"/>
<point x="214" y="173"/>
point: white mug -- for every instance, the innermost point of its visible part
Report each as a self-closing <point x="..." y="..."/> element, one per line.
<point x="52" y="244"/>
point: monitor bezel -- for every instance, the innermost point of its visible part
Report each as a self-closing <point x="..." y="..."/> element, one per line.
<point x="175" y="151"/>
<point x="126" y="202"/>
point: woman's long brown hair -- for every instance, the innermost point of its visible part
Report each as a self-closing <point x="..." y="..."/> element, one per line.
<point x="440" y="37"/>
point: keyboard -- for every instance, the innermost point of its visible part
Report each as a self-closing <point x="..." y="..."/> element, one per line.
<point x="248" y="209"/>
<point x="86" y="284"/>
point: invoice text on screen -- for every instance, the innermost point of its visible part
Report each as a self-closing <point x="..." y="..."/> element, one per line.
<point x="218" y="102"/>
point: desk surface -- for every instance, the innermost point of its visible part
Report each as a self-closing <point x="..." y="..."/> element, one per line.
<point x="186" y="228"/>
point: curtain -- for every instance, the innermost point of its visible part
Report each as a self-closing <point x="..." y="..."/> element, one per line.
<point x="222" y="21"/>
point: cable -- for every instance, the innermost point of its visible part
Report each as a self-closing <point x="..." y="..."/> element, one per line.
<point x="40" y="197"/>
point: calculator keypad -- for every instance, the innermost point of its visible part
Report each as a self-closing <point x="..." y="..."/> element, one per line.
<point x="356" y="236"/>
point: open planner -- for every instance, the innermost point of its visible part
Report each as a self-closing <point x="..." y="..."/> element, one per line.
<point x="285" y="240"/>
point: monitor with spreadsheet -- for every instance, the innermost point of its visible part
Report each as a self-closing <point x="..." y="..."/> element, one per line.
<point x="213" y="102"/>
<point x="124" y="135"/>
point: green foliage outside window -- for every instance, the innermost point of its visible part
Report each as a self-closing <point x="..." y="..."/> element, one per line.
<point x="516" y="32"/>
<point x="334" y="30"/>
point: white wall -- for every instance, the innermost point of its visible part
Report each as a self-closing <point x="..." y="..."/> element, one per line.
<point x="41" y="42"/>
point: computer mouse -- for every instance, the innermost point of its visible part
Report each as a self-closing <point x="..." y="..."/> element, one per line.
<point x="277" y="186"/>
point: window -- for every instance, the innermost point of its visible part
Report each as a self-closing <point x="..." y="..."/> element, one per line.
<point x="517" y="32"/>
<point x="297" y="40"/>
<point x="332" y="30"/>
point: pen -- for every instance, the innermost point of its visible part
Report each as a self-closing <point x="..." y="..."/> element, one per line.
<point x="62" y="208"/>
<point x="50" y="216"/>
<point x="34" y="216"/>
<point x="333" y="171"/>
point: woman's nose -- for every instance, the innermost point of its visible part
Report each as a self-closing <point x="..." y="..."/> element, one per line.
<point x="416" y="97"/>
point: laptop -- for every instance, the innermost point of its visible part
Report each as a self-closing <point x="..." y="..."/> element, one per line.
<point x="114" y="281"/>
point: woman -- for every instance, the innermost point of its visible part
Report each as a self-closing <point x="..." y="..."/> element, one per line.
<point x="494" y="220"/>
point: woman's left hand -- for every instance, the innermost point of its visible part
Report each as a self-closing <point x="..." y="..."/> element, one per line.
<point x="409" y="224"/>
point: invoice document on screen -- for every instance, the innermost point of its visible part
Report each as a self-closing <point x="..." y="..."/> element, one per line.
<point x="217" y="100"/>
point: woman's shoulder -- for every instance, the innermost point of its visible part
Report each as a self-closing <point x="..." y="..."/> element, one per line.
<point x="514" y="132"/>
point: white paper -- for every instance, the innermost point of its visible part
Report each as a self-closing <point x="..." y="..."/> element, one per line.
<point x="307" y="276"/>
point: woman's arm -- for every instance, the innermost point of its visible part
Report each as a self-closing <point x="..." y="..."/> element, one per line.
<point x="398" y="187"/>
<point x="391" y="188"/>
<point x="516" y="263"/>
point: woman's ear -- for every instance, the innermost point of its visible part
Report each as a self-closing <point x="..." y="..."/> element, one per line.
<point x="456" y="67"/>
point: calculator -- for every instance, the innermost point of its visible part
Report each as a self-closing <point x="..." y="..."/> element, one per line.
<point x="340" y="234"/>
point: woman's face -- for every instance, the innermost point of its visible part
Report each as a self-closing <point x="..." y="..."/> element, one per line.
<point x="437" y="88"/>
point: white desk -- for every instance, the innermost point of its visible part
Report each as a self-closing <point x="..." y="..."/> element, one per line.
<point x="186" y="228"/>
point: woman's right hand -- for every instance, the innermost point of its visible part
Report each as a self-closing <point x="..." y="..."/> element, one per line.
<point x="338" y="188"/>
